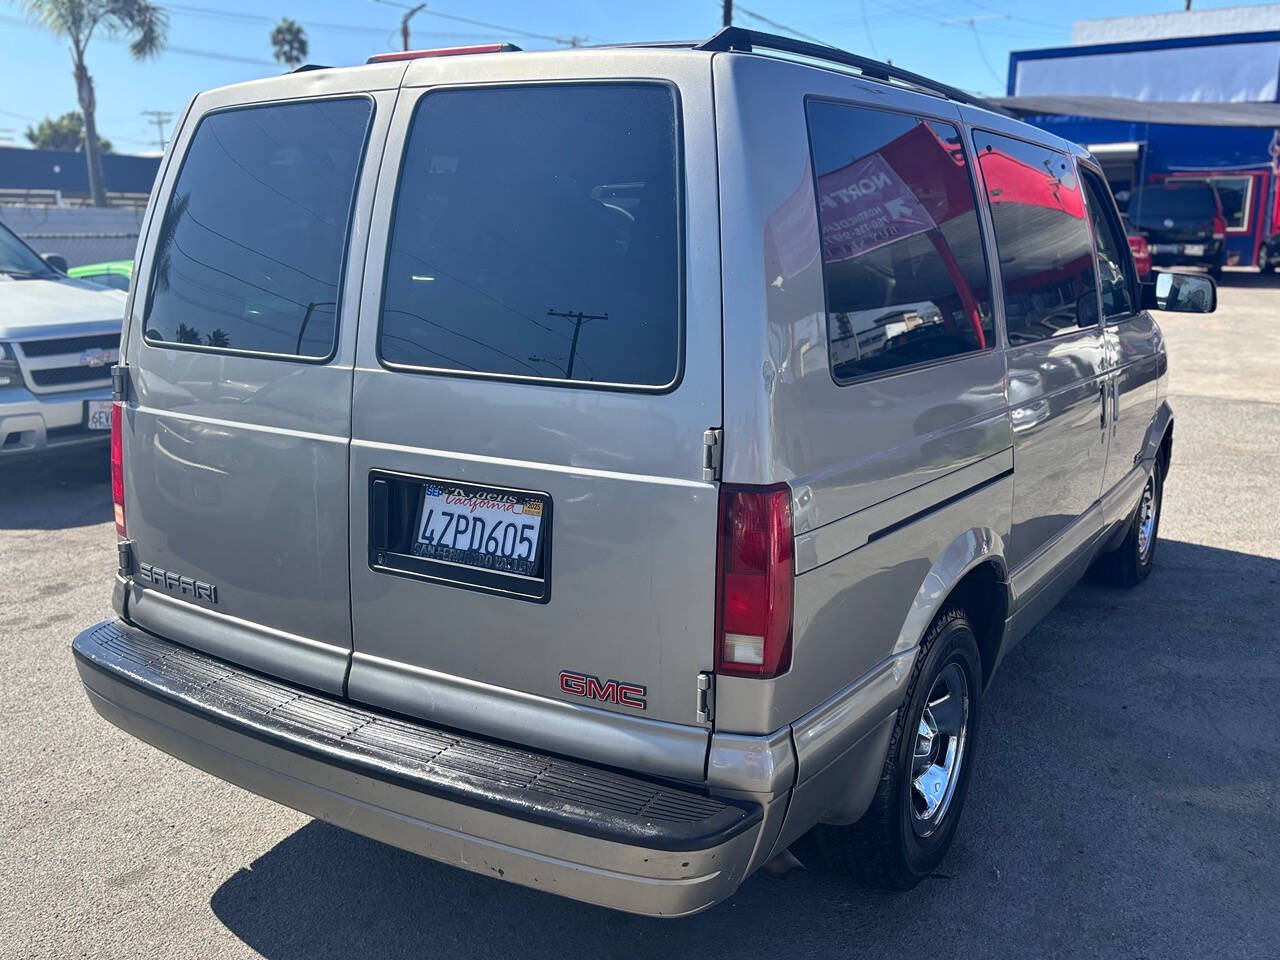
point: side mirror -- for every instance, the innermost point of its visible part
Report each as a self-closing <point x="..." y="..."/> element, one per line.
<point x="1181" y="293"/>
<point x="55" y="260"/>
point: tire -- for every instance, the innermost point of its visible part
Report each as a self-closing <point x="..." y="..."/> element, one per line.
<point x="1265" y="263"/>
<point x="1130" y="563"/>
<point x="1216" y="272"/>
<point x="898" y="843"/>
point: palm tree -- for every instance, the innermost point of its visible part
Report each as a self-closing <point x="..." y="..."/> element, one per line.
<point x="289" y="41"/>
<point x="143" y="22"/>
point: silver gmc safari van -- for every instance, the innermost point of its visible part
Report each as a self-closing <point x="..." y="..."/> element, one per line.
<point x="599" y="468"/>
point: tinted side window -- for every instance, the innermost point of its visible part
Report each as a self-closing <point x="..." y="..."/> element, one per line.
<point x="252" y="243"/>
<point x="906" y="279"/>
<point x="1046" y="257"/>
<point x="1115" y="265"/>
<point x="536" y="234"/>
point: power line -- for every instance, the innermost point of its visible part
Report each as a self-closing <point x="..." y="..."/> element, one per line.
<point x="236" y="16"/>
<point x="780" y="26"/>
<point x="972" y="24"/>
<point x="866" y="28"/>
<point x="571" y="41"/>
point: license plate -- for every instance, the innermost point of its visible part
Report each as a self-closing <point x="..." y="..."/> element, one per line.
<point x="97" y="414"/>
<point x="499" y="530"/>
<point x="1194" y="249"/>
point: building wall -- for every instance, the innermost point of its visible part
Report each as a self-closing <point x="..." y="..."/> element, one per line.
<point x="1218" y="69"/>
<point x="65" y="170"/>
<point x="1181" y="23"/>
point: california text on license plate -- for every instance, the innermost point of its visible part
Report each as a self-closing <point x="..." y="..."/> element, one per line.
<point x="481" y="527"/>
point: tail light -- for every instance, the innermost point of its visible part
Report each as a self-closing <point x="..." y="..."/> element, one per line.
<point x="755" y="581"/>
<point x="117" y="465"/>
<point x="1138" y="245"/>
<point x="1219" y="228"/>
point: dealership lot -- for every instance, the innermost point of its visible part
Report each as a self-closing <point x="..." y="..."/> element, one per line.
<point x="1122" y="804"/>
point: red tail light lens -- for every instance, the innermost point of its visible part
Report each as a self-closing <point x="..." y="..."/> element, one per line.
<point x="753" y="616"/>
<point x="1219" y="228"/>
<point x="117" y="465"/>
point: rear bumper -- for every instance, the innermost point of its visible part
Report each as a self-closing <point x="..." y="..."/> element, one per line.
<point x="1214" y="255"/>
<point x="580" y="831"/>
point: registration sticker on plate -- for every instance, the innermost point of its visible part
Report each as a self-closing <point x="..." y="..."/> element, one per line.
<point x="97" y="414"/>
<point x="498" y="530"/>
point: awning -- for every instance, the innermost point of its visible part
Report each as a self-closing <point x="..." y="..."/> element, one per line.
<point x="1194" y="114"/>
<point x="1127" y="150"/>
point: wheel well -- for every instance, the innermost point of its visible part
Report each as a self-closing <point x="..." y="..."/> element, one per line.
<point x="984" y="597"/>
<point x="1166" y="452"/>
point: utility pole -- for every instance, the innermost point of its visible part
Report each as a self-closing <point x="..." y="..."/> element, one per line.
<point x="161" y="119"/>
<point x="579" y="319"/>
<point x="728" y="13"/>
<point x="404" y="23"/>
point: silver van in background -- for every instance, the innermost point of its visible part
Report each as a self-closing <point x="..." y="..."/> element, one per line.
<point x="59" y="339"/>
<point x="600" y="468"/>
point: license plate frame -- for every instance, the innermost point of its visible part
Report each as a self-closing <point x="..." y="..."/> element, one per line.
<point x="97" y="415"/>
<point x="396" y="525"/>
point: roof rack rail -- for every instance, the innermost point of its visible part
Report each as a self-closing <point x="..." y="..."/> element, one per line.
<point x="744" y="41"/>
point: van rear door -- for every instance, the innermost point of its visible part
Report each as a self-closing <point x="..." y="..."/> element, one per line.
<point x="239" y="354"/>
<point x="533" y="536"/>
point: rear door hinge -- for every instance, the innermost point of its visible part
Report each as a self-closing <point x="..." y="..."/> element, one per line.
<point x="712" y="451"/>
<point x="119" y="383"/>
<point x="706" y="697"/>
<point x="124" y="555"/>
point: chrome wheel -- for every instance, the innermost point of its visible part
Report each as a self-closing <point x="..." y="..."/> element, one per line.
<point x="939" y="749"/>
<point x="1147" y="510"/>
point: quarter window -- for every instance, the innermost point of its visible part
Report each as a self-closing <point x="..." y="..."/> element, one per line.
<point x="253" y="239"/>
<point x="1046" y="256"/>
<point x="904" y="270"/>
<point x="1115" y="264"/>
<point x="536" y="234"/>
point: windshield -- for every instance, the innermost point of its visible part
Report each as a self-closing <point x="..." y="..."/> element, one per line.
<point x="19" y="260"/>
<point x="1184" y="202"/>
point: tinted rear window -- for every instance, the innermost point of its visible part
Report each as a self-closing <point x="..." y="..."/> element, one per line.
<point x="536" y="234"/>
<point x="252" y="244"/>
<point x="1182" y="202"/>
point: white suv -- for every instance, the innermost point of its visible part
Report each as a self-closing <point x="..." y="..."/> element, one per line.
<point x="59" y="338"/>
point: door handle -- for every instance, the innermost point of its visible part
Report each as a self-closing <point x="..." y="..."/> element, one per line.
<point x="1102" y="395"/>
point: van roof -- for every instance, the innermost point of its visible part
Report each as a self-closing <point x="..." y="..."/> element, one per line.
<point x="736" y="40"/>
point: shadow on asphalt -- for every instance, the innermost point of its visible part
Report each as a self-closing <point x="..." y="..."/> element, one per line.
<point x="56" y="493"/>
<point x="1122" y="796"/>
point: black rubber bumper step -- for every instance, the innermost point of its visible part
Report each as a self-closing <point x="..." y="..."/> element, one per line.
<point x="499" y="777"/>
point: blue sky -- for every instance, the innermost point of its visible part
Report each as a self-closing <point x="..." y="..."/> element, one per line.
<point x="215" y="42"/>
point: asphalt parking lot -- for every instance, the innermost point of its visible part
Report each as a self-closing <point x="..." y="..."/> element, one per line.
<point x="1123" y="804"/>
